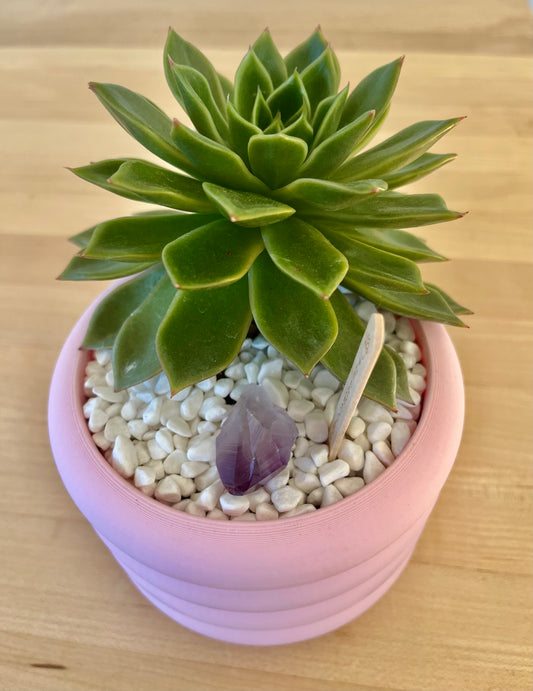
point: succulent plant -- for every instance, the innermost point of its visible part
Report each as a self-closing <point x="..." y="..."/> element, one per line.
<point x="275" y="208"/>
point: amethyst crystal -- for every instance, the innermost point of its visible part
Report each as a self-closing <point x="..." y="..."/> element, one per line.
<point x="255" y="442"/>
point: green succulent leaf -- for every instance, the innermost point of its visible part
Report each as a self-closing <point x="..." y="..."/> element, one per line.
<point x="377" y="268"/>
<point x="268" y="54"/>
<point x="393" y="210"/>
<point x="381" y="386"/>
<point x="161" y="186"/>
<point x="321" y="77"/>
<point x="420" y="167"/>
<point x="306" y="193"/>
<point x="99" y="173"/>
<point x="251" y="75"/>
<point x="332" y="152"/>
<point x="373" y="92"/>
<point x="83" y="269"/>
<point x="198" y="102"/>
<point x="307" y="52"/>
<point x="297" y="322"/>
<point x="275" y="126"/>
<point x="328" y="115"/>
<point x="452" y="304"/>
<point x="261" y="115"/>
<point x="216" y="162"/>
<point x="398" y="242"/>
<point x="431" y="306"/>
<point x="240" y="132"/>
<point x="141" y="238"/>
<point x="246" y="208"/>
<point x="402" y="384"/>
<point x="116" y="307"/>
<point x="227" y="87"/>
<point x="300" y="128"/>
<point x="181" y="52"/>
<point x="396" y="151"/>
<point x="265" y="151"/>
<point x="135" y="356"/>
<point x="217" y="321"/>
<point x="144" y="121"/>
<point x="216" y="254"/>
<point x="305" y="255"/>
<point x="289" y="98"/>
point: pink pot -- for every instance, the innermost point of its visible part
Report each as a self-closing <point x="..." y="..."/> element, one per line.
<point x="271" y="582"/>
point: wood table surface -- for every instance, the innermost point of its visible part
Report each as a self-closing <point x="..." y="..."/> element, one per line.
<point x="459" y="617"/>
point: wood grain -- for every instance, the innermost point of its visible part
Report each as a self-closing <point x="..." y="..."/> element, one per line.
<point x="459" y="618"/>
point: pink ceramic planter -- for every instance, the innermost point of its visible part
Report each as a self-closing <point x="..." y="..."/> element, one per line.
<point x="264" y="583"/>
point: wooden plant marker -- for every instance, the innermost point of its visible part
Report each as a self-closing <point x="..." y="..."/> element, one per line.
<point x="363" y="364"/>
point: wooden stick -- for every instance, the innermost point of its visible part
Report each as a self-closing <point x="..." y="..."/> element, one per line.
<point x="363" y="364"/>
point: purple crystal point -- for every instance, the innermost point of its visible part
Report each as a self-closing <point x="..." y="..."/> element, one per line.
<point x="255" y="442"/>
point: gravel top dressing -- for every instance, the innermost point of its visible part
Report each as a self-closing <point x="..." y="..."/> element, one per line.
<point x="167" y="446"/>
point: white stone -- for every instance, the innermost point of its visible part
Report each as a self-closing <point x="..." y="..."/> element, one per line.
<point x="114" y="409"/>
<point x="97" y="420"/>
<point x="162" y="387"/>
<point x="129" y="410"/>
<point x="365" y="309"/>
<point x="110" y="395"/>
<point x="416" y="382"/>
<point x="152" y="412"/>
<point x="233" y="505"/>
<point x="157" y="467"/>
<point x="260" y="342"/>
<point x="137" y="428"/>
<point x="331" y="407"/>
<point x="332" y="471"/>
<point x="279" y="480"/>
<point x="321" y="395"/>
<point x="109" y="378"/>
<point x="287" y="498"/>
<point x="319" y="454"/>
<point x="209" y="496"/>
<point x="214" y="409"/>
<point x="349" y="485"/>
<point x="237" y="390"/>
<point x="206" y="384"/>
<point x="292" y="378"/>
<point x="331" y="496"/>
<point x="92" y="404"/>
<point x="114" y="427"/>
<point x="404" y="330"/>
<point x="277" y="391"/>
<point x="315" y="497"/>
<point x="217" y="515"/>
<point x="271" y="369"/>
<point x="205" y="479"/>
<point x="298" y="409"/>
<point x="300" y="448"/>
<point x="260" y="496"/>
<point x="356" y="427"/>
<point x="251" y="370"/>
<point x="324" y="379"/>
<point x="192" y="469"/>
<point x="223" y="386"/>
<point x="246" y="517"/>
<point x="371" y="411"/>
<point x="305" y="388"/>
<point x="411" y="348"/>
<point x="163" y="437"/>
<point x="190" y="407"/>
<point x="206" y="427"/>
<point x="178" y="425"/>
<point x="299" y="510"/>
<point x="124" y="456"/>
<point x="400" y="435"/>
<point x="202" y="449"/>
<point x="383" y="452"/>
<point x="373" y="467"/>
<point x="352" y="453"/>
<point x="103" y="357"/>
<point x="182" y="395"/>
<point x="266" y="512"/>
<point x="306" y="482"/>
<point x="186" y="485"/>
<point x="420" y="370"/>
<point x="362" y="441"/>
<point x="155" y="451"/>
<point x="305" y="464"/>
<point x="236" y="372"/>
<point x="378" y="431"/>
<point x="142" y="452"/>
<point x="316" y="426"/>
<point x="101" y="442"/>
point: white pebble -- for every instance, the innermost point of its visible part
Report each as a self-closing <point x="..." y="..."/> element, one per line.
<point x="352" y="453"/>
<point x="251" y="370"/>
<point x="206" y="427"/>
<point x="320" y="454"/>
<point x="278" y="392"/>
<point x="266" y="512"/>
<point x="299" y="409"/>
<point x="101" y="442"/>
<point x="371" y="411"/>
<point x="191" y="469"/>
<point x="237" y="390"/>
<point x="400" y="435"/>
<point x="324" y="379"/>
<point x="356" y="427"/>
<point x="114" y="409"/>
<point x="164" y="438"/>
<point x="420" y="369"/>
<point x="260" y="342"/>
<point x="103" y="357"/>
<point x="92" y="404"/>
<point x="331" y="407"/>
<point x="182" y="395"/>
<point x="300" y="447"/>
<point x="202" y="449"/>
<point x="305" y="388"/>
<point x="373" y="467"/>
<point x="305" y="464"/>
<point x="205" y="479"/>
<point x="299" y="510"/>
<point x="365" y="309"/>
<point x="330" y="472"/>
<point x="223" y="386"/>
<point x="362" y="441"/>
<point x="209" y="496"/>
<point x="110" y="395"/>
<point x="137" y="428"/>
<point x="236" y="372"/>
<point x="97" y="420"/>
<point x="271" y="369"/>
<point x="416" y="382"/>
<point x="306" y="482"/>
<point x="349" y="485"/>
<point x="217" y="515"/>
<point x="152" y="412"/>
<point x="114" y="427"/>
<point x="245" y="517"/>
<point x="110" y="378"/>
<point x="124" y="456"/>
<point x="233" y="505"/>
<point x="404" y="330"/>
<point x="190" y="407"/>
<point x="129" y="410"/>
<point x="316" y="426"/>
<point x="383" y="452"/>
<point x="331" y="496"/>
<point x="315" y="497"/>
<point x="178" y="425"/>
<point x="321" y="395"/>
<point x="287" y="498"/>
<point x="162" y="387"/>
<point x="378" y="431"/>
<point x="213" y="409"/>
<point x="157" y="467"/>
<point x="142" y="452"/>
<point x="260" y="496"/>
<point x="155" y="451"/>
<point x="292" y="378"/>
<point x="206" y="384"/>
<point x="279" y="480"/>
<point x="186" y="485"/>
